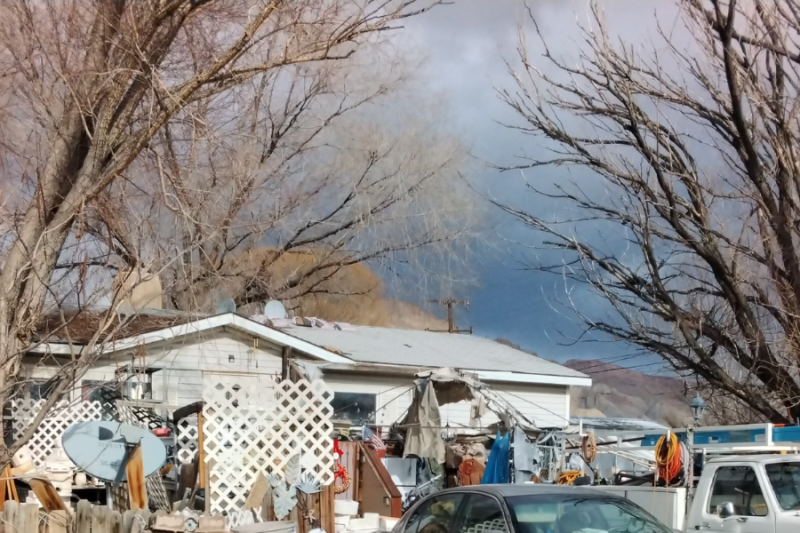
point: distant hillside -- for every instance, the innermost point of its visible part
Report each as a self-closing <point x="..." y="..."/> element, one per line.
<point x="620" y="392"/>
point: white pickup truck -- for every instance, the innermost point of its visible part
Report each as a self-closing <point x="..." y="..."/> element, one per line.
<point x="747" y="494"/>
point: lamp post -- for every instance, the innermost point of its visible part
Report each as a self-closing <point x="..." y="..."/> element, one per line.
<point x="698" y="407"/>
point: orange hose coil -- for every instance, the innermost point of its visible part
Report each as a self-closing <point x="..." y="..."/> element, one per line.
<point x="668" y="457"/>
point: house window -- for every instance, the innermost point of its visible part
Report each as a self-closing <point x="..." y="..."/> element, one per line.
<point x="356" y="407"/>
<point x="39" y="389"/>
<point x="105" y="392"/>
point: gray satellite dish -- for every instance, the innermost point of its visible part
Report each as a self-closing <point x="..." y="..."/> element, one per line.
<point x="275" y="309"/>
<point x="101" y="448"/>
<point x="226" y="305"/>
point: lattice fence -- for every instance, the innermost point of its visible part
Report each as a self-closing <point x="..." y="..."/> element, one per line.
<point x="186" y="437"/>
<point x="148" y="418"/>
<point x="234" y="428"/>
<point x="248" y="430"/>
<point x="302" y="423"/>
<point x="49" y="432"/>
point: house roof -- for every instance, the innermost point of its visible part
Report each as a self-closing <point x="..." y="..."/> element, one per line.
<point x="493" y="361"/>
<point x="78" y="326"/>
<point x="490" y="360"/>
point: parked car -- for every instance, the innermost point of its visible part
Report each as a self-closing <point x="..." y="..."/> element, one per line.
<point x="526" y="509"/>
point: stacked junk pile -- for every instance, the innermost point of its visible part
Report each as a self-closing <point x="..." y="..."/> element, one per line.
<point x="244" y="461"/>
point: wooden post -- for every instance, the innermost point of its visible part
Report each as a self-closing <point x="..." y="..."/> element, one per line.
<point x="286" y="354"/>
<point x="202" y="453"/>
<point x="326" y="513"/>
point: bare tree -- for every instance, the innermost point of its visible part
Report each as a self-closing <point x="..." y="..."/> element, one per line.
<point x="93" y="93"/>
<point x="689" y="224"/>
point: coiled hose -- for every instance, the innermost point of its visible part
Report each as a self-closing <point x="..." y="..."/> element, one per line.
<point x="589" y="447"/>
<point x="668" y="457"/>
<point x="568" y="477"/>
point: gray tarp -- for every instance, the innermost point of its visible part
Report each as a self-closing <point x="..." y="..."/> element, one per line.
<point x="423" y="438"/>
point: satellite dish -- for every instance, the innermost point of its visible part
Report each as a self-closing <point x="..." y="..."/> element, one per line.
<point x="101" y="448"/>
<point x="275" y="309"/>
<point x="226" y="305"/>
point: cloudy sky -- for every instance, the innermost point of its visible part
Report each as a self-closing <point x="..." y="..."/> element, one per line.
<point x="466" y="44"/>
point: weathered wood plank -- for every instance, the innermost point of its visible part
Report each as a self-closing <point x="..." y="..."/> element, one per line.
<point x="114" y="522"/>
<point x="28" y="518"/>
<point x="10" y="510"/>
<point x="257" y="492"/>
<point x="127" y="522"/>
<point x="47" y="495"/>
<point x="136" y="484"/>
<point x="58" y="521"/>
<point x="326" y="513"/>
<point x="100" y="519"/>
<point x="83" y="517"/>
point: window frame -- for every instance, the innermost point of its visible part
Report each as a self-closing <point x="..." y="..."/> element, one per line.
<point x="430" y="500"/>
<point x="460" y="519"/>
<point x="764" y="494"/>
<point x="368" y="421"/>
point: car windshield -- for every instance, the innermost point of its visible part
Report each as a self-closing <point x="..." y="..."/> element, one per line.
<point x="785" y="481"/>
<point x="568" y="514"/>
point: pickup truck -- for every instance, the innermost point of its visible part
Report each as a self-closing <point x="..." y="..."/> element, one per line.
<point x="747" y="494"/>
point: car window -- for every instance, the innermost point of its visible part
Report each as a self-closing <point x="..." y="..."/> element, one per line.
<point x="483" y="515"/>
<point x="435" y="515"/>
<point x="785" y="481"/>
<point x="562" y="513"/>
<point x="738" y="485"/>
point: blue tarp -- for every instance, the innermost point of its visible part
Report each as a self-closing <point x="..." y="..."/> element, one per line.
<point x="497" y="464"/>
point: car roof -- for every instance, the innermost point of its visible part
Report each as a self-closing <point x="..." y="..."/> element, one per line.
<point x="531" y="489"/>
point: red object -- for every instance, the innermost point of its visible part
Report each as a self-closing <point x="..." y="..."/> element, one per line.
<point x="381" y="453"/>
<point x="338" y="451"/>
<point x="161" y="432"/>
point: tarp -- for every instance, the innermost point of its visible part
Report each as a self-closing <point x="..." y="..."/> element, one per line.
<point x="423" y="438"/>
<point x="497" y="465"/>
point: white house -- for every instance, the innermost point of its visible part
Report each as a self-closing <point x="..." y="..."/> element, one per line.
<point x="369" y="369"/>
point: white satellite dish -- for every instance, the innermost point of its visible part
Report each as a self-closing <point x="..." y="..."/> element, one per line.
<point x="101" y="448"/>
<point x="275" y="309"/>
<point x="226" y="305"/>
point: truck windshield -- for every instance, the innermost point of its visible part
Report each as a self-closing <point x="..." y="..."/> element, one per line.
<point x="563" y="513"/>
<point x="785" y="481"/>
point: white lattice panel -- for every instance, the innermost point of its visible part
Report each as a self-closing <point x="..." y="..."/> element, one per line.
<point x="247" y="431"/>
<point x="187" y="440"/>
<point x="302" y="423"/>
<point x="49" y="432"/>
<point x="234" y="427"/>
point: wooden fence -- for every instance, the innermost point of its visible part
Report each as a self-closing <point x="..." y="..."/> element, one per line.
<point x="87" y="518"/>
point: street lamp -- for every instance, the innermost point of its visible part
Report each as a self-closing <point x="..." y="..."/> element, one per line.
<point x="698" y="407"/>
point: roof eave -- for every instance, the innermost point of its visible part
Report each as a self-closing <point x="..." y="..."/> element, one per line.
<point x="229" y="320"/>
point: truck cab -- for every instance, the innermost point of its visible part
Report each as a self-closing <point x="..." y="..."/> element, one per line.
<point x="747" y="494"/>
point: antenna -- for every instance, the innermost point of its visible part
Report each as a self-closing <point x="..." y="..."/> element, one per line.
<point x="101" y="448"/>
<point x="275" y="309"/>
<point x="450" y="303"/>
<point x="226" y="305"/>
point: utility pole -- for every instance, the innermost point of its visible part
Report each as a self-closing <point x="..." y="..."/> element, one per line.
<point x="450" y="303"/>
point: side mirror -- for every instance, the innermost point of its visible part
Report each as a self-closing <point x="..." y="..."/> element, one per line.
<point x="726" y="510"/>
